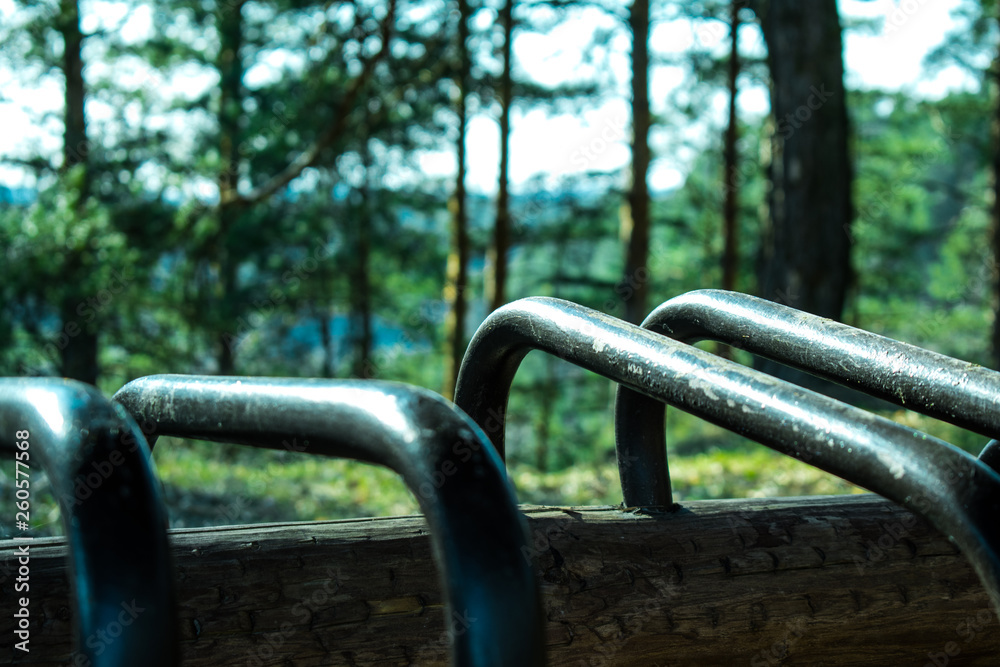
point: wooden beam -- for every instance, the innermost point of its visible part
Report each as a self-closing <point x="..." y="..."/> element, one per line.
<point x="834" y="580"/>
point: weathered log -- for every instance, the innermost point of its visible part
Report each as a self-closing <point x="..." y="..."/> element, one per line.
<point x="834" y="580"/>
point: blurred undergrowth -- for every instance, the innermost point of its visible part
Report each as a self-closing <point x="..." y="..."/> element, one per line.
<point x="210" y="484"/>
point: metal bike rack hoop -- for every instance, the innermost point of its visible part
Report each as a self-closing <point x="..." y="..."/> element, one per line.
<point x="478" y="534"/>
<point x="99" y="468"/>
<point x="957" y="494"/>
<point x="958" y="392"/>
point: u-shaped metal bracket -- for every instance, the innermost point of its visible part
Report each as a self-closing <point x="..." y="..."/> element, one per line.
<point x="933" y="384"/>
<point x="477" y="532"/>
<point x="957" y="494"/>
<point x="954" y="391"/>
<point x="99" y="468"/>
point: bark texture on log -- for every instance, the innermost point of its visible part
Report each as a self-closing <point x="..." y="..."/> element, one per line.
<point x="849" y="580"/>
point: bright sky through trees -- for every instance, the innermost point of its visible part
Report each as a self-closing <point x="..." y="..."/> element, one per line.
<point x="542" y="143"/>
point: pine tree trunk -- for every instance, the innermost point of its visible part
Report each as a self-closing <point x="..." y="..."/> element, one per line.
<point x="730" y="231"/>
<point x="636" y="279"/>
<point x="501" y="230"/>
<point x="361" y="303"/>
<point x="225" y="357"/>
<point x="547" y="390"/>
<point x="325" y="315"/>
<point x="75" y="145"/>
<point x="360" y="289"/>
<point x="804" y="259"/>
<point x="324" y="312"/>
<point x="456" y="282"/>
<point x="78" y="357"/>
<point x="730" y="257"/>
<point x="230" y="68"/>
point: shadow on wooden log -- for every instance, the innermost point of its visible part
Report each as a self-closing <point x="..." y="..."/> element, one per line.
<point x="835" y="580"/>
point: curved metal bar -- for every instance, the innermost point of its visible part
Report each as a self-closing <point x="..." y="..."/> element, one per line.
<point x="958" y="392"/>
<point x="942" y="387"/>
<point x="101" y="473"/>
<point x="952" y="490"/>
<point x="991" y="454"/>
<point x="477" y="532"/>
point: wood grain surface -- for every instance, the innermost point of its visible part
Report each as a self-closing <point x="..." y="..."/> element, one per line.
<point x="835" y="580"/>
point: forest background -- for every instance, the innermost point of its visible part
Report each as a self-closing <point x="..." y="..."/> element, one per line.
<point x="347" y="189"/>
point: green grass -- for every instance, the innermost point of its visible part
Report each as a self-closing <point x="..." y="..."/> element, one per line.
<point x="209" y="484"/>
<point x="203" y="489"/>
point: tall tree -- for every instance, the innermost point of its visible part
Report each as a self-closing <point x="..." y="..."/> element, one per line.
<point x="456" y="280"/>
<point x="84" y="248"/>
<point x="230" y="66"/>
<point x="245" y="225"/>
<point x="78" y="357"/>
<point x="804" y="259"/>
<point x="637" y="233"/>
<point x="360" y="269"/>
<point x="730" y="233"/>
<point x="501" y="230"/>
<point x="730" y="169"/>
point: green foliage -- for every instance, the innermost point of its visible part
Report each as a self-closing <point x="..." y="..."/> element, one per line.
<point x="68" y="270"/>
<point x="208" y="484"/>
<point x="56" y="229"/>
<point x="267" y="277"/>
<point x="922" y="267"/>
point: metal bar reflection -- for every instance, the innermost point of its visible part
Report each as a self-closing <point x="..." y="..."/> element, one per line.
<point x="933" y="384"/>
<point x="477" y="531"/>
<point x="100" y="471"/>
<point x="952" y="490"/>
